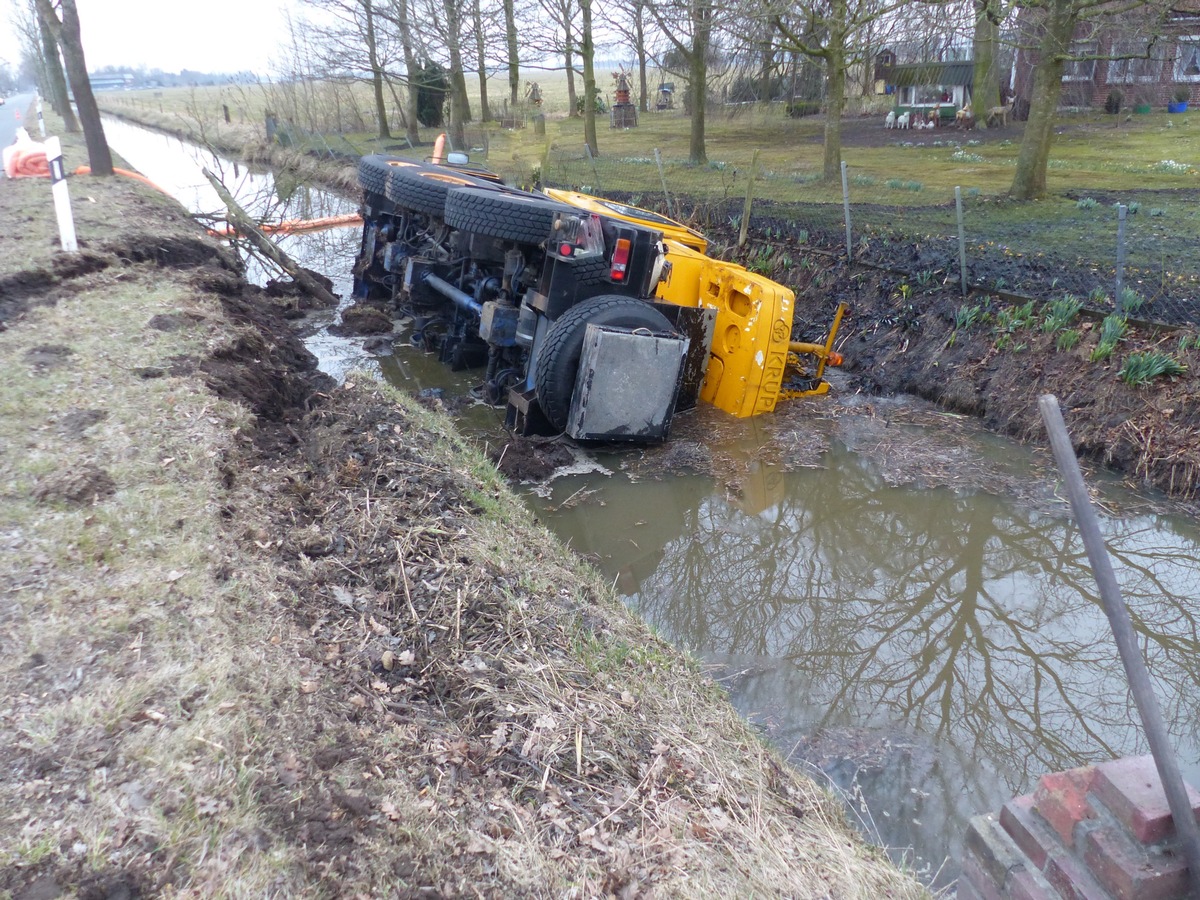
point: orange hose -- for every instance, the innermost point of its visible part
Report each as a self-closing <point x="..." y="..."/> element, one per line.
<point x="136" y="176"/>
<point x="294" y="226"/>
<point x="27" y="163"/>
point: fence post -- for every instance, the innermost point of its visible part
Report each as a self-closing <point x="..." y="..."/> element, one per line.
<point x="596" y="188"/>
<point x="962" y="238"/>
<point x="749" y="200"/>
<point x="662" y="176"/>
<point x="62" y="200"/>
<point x="41" y="120"/>
<point x="846" y="209"/>
<point x="1121" y="208"/>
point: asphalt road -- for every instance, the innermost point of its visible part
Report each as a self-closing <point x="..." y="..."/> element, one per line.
<point x="14" y="114"/>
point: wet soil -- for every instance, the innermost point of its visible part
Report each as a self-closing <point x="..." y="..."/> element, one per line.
<point x="899" y="339"/>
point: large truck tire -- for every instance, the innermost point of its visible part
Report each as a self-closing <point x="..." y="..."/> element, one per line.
<point x="423" y="188"/>
<point x="510" y="215"/>
<point x="558" y="359"/>
<point x="374" y="171"/>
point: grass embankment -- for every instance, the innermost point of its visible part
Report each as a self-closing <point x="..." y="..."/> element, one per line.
<point x="263" y="636"/>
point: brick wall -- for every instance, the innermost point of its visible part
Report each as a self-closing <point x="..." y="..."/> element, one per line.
<point x="1101" y="832"/>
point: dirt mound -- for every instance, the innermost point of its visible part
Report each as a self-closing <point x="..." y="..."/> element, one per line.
<point x="266" y="365"/>
<point x="362" y="319"/>
<point x="48" y="356"/>
<point x="86" y="484"/>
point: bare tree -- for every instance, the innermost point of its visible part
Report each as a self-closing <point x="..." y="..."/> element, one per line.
<point x="480" y="27"/>
<point x="985" y="44"/>
<point x="349" y="27"/>
<point x="832" y="32"/>
<point x="587" y="50"/>
<point x="629" y="20"/>
<point x="446" y="19"/>
<point x="1052" y="27"/>
<point x="401" y="10"/>
<point x="514" y="63"/>
<point x="67" y="34"/>
<point x="376" y="66"/>
<point x="39" y="47"/>
<point x="688" y="25"/>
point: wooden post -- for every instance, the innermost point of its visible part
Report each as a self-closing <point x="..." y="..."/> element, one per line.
<point x="846" y="211"/>
<point x="749" y="200"/>
<point x="249" y="229"/>
<point x="662" y="176"/>
<point x="962" y="239"/>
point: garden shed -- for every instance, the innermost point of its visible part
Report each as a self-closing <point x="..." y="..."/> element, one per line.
<point x="945" y="86"/>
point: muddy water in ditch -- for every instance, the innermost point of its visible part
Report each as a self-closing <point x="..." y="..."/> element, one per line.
<point x="896" y="598"/>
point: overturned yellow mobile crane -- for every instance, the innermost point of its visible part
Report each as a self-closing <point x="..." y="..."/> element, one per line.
<point x="592" y="317"/>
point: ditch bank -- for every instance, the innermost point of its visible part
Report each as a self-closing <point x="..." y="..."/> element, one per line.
<point x="266" y="635"/>
<point x="991" y="356"/>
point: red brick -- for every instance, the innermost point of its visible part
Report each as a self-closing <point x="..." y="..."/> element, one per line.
<point x="1030" y="885"/>
<point x="1129" y="872"/>
<point x="1071" y="880"/>
<point x="964" y="891"/>
<point x="997" y="854"/>
<point x="1061" y="799"/>
<point x="1028" y="831"/>
<point x="1131" y="789"/>
<point x="980" y="881"/>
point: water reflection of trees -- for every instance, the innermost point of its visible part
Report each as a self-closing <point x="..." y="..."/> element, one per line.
<point x="964" y="617"/>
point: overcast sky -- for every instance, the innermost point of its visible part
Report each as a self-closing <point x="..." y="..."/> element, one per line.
<point x="203" y="35"/>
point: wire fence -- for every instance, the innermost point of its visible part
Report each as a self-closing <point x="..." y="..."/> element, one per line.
<point x="1136" y="257"/>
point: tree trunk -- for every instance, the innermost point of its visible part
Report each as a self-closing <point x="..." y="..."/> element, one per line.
<point x="246" y="226"/>
<point x="66" y="32"/>
<point x="588" y="51"/>
<point x="987" y="77"/>
<point x="60" y="100"/>
<point x="766" y="63"/>
<point x="514" y="65"/>
<point x="376" y="72"/>
<point x="569" y="64"/>
<point x="835" y="102"/>
<point x="639" y="49"/>
<point x="460" y="108"/>
<point x="411" y="67"/>
<point x="1029" y="181"/>
<point x="485" y="114"/>
<point x="698" y="72"/>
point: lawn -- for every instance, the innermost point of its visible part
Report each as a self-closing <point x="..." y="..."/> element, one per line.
<point x="901" y="184"/>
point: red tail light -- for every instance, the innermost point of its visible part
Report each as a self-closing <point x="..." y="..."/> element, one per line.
<point x="620" y="260"/>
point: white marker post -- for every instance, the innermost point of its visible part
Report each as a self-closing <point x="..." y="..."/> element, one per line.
<point x="62" y="200"/>
<point x="41" y="121"/>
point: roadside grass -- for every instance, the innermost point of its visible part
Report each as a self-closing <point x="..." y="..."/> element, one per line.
<point x="118" y="663"/>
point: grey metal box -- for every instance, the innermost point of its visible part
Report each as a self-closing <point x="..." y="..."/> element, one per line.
<point x="627" y="384"/>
